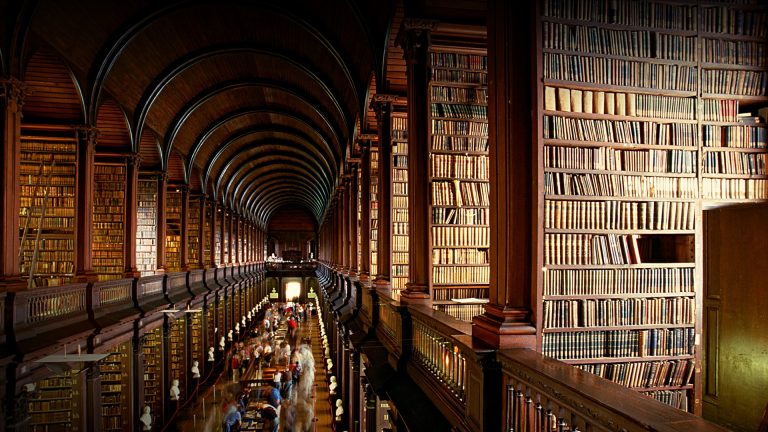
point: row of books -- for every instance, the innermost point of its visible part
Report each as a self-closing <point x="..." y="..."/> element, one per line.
<point x="619" y="72"/>
<point x="400" y="243"/>
<point x="596" y="249"/>
<point x="28" y="190"/>
<point x="735" y="82"/>
<point x="619" y="103"/>
<point x="464" y="193"/>
<point x="400" y="228"/>
<point x="29" y="155"/>
<point x="146" y="227"/>
<point x="628" y="43"/>
<point x="460" y="216"/>
<point x="458" y="127"/>
<point x="723" y="19"/>
<point x="676" y="398"/>
<point x="465" y="275"/>
<point x="459" y="94"/>
<point x="461" y="312"/>
<point x="399" y="270"/>
<point x="400" y="257"/>
<point x="619" y="343"/>
<point x="620" y="131"/>
<point x="645" y="374"/>
<point x="444" y="256"/>
<point x="717" y="188"/>
<point x="459" y="143"/>
<point x="443" y="293"/>
<point x="618" y="312"/>
<point x="618" y="282"/>
<point x="461" y="111"/>
<point x="471" y="236"/>
<point x="736" y="52"/>
<point x="642" y="14"/>
<point x="447" y="59"/>
<point x="63" y="221"/>
<point x="459" y="76"/>
<point x="720" y="110"/>
<point x="734" y="163"/>
<point x="32" y="170"/>
<point x="49" y="147"/>
<point x="612" y="185"/>
<point x="51" y="404"/>
<point x="106" y="218"/>
<point x="612" y="159"/>
<point x="399" y="186"/>
<point x="400" y="214"/>
<point x="619" y="215"/>
<point x="735" y="136"/>
<point x="62" y="185"/>
<point x="459" y="166"/>
<point x="65" y="246"/>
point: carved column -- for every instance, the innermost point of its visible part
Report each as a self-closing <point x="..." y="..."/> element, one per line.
<point x="131" y="214"/>
<point x="93" y="420"/>
<point x="86" y="153"/>
<point x="365" y="200"/>
<point x="354" y="389"/>
<point x="382" y="105"/>
<point x="230" y="244"/>
<point x="414" y="37"/>
<point x="507" y="319"/>
<point x="162" y="192"/>
<point x="184" y="253"/>
<point x="11" y="100"/>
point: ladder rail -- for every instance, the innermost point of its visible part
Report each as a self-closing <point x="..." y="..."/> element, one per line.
<point x="28" y="212"/>
<point x="43" y="209"/>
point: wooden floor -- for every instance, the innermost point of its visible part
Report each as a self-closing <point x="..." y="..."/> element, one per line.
<point x="204" y="415"/>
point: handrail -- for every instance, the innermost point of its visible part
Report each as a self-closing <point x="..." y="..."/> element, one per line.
<point x="149" y="285"/>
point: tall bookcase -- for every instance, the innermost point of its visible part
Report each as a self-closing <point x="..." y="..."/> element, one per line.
<point x="146" y="227"/>
<point x="152" y="356"/>
<point x="641" y="130"/>
<point x="108" y="220"/>
<point x="196" y="341"/>
<point x="173" y="229"/>
<point x="212" y="331"/>
<point x="53" y="187"/>
<point x="207" y="235"/>
<point x="218" y="248"/>
<point x="177" y="364"/>
<point x="57" y="403"/>
<point x="458" y="175"/>
<point x="374" y="210"/>
<point x="193" y="233"/>
<point x="399" y="275"/>
<point x="359" y="219"/>
<point x="115" y="383"/>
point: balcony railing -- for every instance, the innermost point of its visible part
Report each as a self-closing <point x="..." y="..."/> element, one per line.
<point x="40" y="305"/>
<point x="113" y="292"/>
<point x="442" y="357"/>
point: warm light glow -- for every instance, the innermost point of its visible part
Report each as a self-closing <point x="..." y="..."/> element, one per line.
<point x="292" y="290"/>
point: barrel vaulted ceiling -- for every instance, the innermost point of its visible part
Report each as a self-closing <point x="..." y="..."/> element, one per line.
<point x="258" y="98"/>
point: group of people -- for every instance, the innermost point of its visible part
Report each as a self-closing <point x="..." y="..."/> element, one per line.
<point x="280" y="399"/>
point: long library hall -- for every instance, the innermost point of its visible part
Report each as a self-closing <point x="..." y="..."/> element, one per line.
<point x="394" y="215"/>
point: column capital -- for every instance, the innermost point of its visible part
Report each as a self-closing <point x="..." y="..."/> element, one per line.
<point x="13" y="89"/>
<point x="414" y="37"/>
<point x="133" y="159"/>
<point x="87" y="134"/>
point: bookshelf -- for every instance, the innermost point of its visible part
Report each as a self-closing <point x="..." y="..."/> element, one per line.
<point x="173" y="229"/>
<point x="146" y="227"/>
<point x="53" y="187"/>
<point x="217" y="232"/>
<point x="152" y="356"/>
<point x="649" y="116"/>
<point x="196" y="342"/>
<point x="177" y="364"/>
<point x="399" y="275"/>
<point x="374" y="210"/>
<point x="57" y="403"/>
<point x="211" y="330"/>
<point x="115" y="384"/>
<point x="458" y="176"/>
<point x="359" y="219"/>
<point x="193" y="233"/>
<point x="108" y="220"/>
<point x="207" y="235"/>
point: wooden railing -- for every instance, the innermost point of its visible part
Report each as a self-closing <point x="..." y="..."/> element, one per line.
<point x="543" y="394"/>
<point x="440" y="355"/>
<point x="40" y="305"/>
<point x="150" y="285"/>
<point x="388" y="319"/>
<point x="113" y="292"/>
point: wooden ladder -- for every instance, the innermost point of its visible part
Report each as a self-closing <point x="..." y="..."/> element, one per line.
<point x="41" y="177"/>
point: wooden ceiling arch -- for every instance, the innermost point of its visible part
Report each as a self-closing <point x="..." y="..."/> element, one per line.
<point x="282" y="169"/>
<point x="256" y="106"/>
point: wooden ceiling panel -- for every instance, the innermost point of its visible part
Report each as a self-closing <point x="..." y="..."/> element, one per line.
<point x="114" y="135"/>
<point x="51" y="93"/>
<point x="394" y="77"/>
<point x="149" y="151"/>
<point x="175" y="169"/>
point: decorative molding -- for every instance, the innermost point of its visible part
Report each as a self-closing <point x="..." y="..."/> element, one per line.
<point x="87" y="134"/>
<point x="414" y="38"/>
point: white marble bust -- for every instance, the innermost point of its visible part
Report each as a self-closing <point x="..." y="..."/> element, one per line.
<point x="195" y="369"/>
<point x="146" y="419"/>
<point x="175" y="392"/>
<point x="332" y="386"/>
<point x="211" y="354"/>
<point x="339" y="409"/>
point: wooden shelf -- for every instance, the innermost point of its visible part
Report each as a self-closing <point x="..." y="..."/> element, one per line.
<point x="613" y="88"/>
<point x="613" y="117"/>
<point x="622" y="146"/>
<point x="618" y="266"/>
<point x="616" y="296"/>
<point x="622" y="57"/>
<point x="612" y="328"/>
<point x="628" y="173"/>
